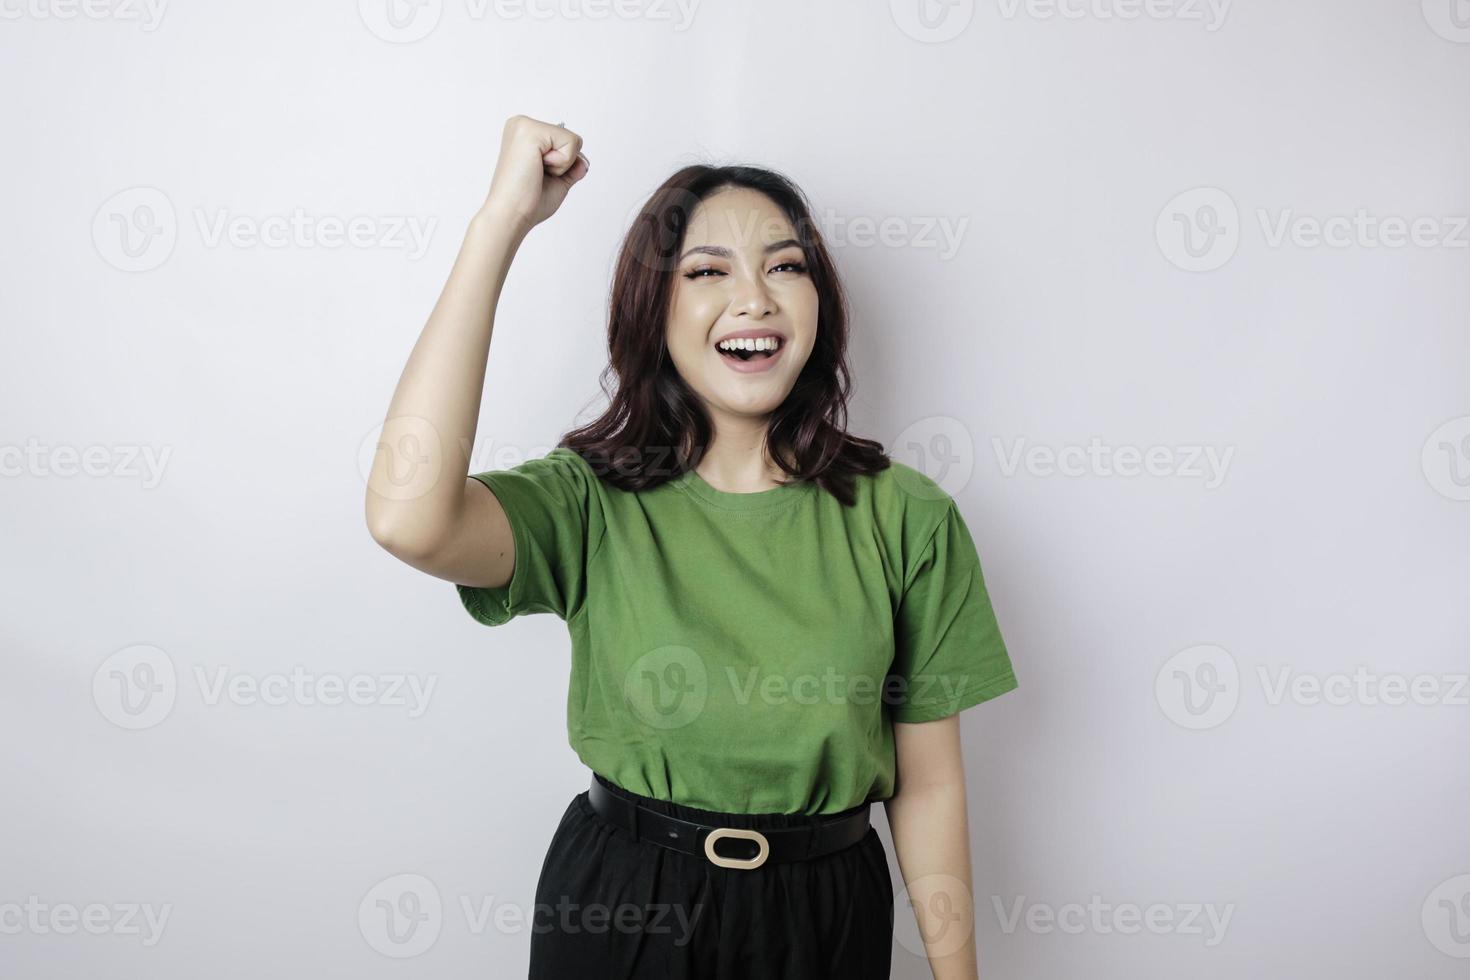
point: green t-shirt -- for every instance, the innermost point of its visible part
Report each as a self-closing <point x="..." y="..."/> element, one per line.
<point x="748" y="652"/>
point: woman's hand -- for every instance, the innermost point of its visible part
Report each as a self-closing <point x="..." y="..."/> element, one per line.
<point x="422" y="505"/>
<point x="539" y="162"/>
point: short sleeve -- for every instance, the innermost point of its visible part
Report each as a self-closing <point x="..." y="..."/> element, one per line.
<point x="548" y="504"/>
<point x="949" y="652"/>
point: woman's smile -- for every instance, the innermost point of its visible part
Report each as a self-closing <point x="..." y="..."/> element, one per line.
<point x="750" y="351"/>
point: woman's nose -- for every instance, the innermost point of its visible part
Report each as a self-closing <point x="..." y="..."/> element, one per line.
<point x="752" y="297"/>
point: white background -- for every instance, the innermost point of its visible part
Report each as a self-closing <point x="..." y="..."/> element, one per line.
<point x="1054" y="143"/>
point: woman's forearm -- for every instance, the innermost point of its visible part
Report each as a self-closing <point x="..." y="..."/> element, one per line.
<point x="931" y="840"/>
<point x="418" y="475"/>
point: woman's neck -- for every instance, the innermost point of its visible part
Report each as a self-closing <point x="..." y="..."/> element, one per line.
<point x="736" y="461"/>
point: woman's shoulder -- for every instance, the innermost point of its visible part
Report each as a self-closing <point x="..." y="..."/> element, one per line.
<point x="558" y="463"/>
<point x="902" y="488"/>
<point x="904" y="504"/>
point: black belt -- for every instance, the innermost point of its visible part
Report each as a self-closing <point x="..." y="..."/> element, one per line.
<point x="692" y="837"/>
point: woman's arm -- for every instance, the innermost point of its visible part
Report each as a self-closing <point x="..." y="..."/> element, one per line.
<point x="931" y="838"/>
<point x="420" y="504"/>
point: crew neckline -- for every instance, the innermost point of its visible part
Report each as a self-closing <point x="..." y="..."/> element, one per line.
<point x="691" y="482"/>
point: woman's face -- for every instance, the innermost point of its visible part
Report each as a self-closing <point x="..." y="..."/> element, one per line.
<point x="741" y="276"/>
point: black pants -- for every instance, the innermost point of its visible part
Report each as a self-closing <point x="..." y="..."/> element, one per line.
<point x="612" y="908"/>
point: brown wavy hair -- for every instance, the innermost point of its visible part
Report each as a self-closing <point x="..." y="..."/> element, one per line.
<point x="653" y="414"/>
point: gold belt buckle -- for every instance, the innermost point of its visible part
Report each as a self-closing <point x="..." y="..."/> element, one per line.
<point x="747" y="863"/>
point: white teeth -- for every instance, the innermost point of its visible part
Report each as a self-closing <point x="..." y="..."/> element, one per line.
<point x="746" y="343"/>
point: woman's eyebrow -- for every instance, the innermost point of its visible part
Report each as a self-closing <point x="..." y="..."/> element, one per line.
<point x="724" y="252"/>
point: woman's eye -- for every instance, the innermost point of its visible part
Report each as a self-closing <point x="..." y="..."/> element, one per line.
<point x="794" y="266"/>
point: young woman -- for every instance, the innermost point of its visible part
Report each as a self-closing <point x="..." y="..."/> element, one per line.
<point x="773" y="624"/>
